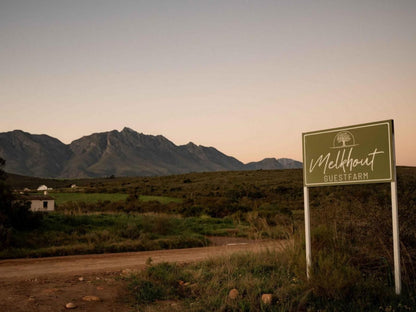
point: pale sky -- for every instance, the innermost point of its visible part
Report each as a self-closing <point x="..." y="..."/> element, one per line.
<point x="247" y="77"/>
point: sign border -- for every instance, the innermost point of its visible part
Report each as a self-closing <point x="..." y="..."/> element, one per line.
<point x="365" y="125"/>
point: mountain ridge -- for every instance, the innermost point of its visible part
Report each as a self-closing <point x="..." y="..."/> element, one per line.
<point x="118" y="153"/>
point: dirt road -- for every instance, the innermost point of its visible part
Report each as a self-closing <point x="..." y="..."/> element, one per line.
<point x="47" y="284"/>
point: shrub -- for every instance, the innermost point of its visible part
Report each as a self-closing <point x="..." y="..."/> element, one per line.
<point x="335" y="284"/>
<point x="146" y="291"/>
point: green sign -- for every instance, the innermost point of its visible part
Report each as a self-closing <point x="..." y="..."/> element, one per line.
<point x="349" y="155"/>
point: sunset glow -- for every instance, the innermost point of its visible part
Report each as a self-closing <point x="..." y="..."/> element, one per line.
<point x="247" y="77"/>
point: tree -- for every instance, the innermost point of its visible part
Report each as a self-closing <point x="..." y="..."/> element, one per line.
<point x="13" y="213"/>
<point x="5" y="206"/>
<point x="5" y="195"/>
<point x="3" y="174"/>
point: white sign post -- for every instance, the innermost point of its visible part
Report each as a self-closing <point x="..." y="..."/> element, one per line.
<point x="395" y="223"/>
<point x="358" y="154"/>
<point x="307" y="231"/>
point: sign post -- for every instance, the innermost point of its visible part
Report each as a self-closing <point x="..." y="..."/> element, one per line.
<point x="307" y="231"/>
<point x="357" y="154"/>
<point x="395" y="223"/>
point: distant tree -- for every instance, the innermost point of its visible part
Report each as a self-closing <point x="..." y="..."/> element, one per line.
<point x="5" y="205"/>
<point x="13" y="213"/>
<point x="3" y="174"/>
<point x="5" y="195"/>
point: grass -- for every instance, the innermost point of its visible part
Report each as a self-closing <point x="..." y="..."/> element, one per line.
<point x="60" y="234"/>
<point x="351" y="249"/>
<point x="335" y="285"/>
<point x="351" y="240"/>
<point x="88" y="198"/>
<point x="160" y="199"/>
<point x="62" y="198"/>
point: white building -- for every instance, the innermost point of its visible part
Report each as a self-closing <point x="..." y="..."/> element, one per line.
<point x="40" y="202"/>
<point x="42" y="188"/>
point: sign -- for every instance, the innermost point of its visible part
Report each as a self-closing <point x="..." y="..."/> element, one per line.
<point x="349" y="155"/>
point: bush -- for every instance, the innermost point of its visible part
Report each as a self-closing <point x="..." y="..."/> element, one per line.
<point x="146" y="291"/>
<point x="335" y="284"/>
<point x="21" y="218"/>
<point x="162" y="281"/>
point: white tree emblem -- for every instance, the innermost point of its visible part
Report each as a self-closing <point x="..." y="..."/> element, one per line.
<point x="343" y="137"/>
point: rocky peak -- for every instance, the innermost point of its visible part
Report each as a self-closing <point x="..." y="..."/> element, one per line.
<point x="124" y="153"/>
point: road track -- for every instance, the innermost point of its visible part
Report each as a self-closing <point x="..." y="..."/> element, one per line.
<point x="84" y="264"/>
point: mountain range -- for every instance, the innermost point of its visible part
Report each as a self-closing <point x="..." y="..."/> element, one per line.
<point x="118" y="153"/>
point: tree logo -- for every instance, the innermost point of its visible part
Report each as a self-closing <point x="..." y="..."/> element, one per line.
<point x="344" y="139"/>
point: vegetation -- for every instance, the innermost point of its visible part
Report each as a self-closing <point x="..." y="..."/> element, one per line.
<point x="160" y="199"/>
<point x="60" y="234"/>
<point x="352" y="260"/>
<point x="335" y="285"/>
<point x="14" y="214"/>
<point x="62" y="198"/>
<point x="351" y="239"/>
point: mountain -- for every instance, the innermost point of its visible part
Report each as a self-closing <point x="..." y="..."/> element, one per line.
<point x="124" y="153"/>
<point x="288" y="163"/>
<point x="33" y="155"/>
<point x="273" y="163"/>
<point x="129" y="153"/>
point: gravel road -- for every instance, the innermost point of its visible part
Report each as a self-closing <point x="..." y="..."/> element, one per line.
<point x="48" y="284"/>
<point x="29" y="268"/>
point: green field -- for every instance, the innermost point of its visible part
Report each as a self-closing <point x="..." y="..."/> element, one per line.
<point x="160" y="199"/>
<point x="61" y="198"/>
<point x="89" y="198"/>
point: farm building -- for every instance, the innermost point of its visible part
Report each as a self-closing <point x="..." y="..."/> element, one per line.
<point x="42" y="188"/>
<point x="40" y="202"/>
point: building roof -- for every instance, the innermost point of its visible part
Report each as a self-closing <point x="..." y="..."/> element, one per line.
<point x="42" y="187"/>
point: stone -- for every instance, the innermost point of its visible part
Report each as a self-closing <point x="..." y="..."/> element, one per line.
<point x="70" y="305"/>
<point x="81" y="279"/>
<point x="266" y="298"/>
<point x="233" y="294"/>
<point x="91" y="298"/>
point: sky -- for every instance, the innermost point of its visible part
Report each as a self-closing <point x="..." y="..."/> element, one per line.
<point x="247" y="77"/>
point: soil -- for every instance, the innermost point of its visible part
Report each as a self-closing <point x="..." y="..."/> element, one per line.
<point x="48" y="284"/>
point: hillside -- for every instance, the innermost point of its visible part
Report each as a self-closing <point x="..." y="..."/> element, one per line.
<point x="114" y="153"/>
<point x="33" y="155"/>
